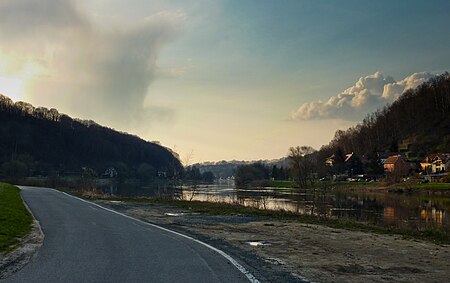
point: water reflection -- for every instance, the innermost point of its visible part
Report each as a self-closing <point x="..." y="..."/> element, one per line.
<point x="432" y="215"/>
<point x="386" y="209"/>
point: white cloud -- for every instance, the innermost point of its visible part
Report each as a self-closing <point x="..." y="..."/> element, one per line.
<point x="368" y="94"/>
<point x="81" y="67"/>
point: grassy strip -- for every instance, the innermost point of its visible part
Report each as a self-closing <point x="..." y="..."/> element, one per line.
<point x="351" y="185"/>
<point x="283" y="184"/>
<point x="319" y="184"/>
<point x="432" y="235"/>
<point x="15" y="220"/>
<point x="432" y="186"/>
<point x="413" y="187"/>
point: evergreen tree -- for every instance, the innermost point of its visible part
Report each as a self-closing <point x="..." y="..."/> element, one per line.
<point x="375" y="166"/>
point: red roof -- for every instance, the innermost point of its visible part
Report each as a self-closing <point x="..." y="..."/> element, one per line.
<point x="392" y="159"/>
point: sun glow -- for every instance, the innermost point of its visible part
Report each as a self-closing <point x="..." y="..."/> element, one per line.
<point x="15" y="73"/>
<point x="12" y="87"/>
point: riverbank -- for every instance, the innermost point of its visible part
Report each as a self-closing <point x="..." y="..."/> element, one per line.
<point x="410" y="185"/>
<point x="301" y="250"/>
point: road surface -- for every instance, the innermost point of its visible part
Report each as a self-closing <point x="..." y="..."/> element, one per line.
<point x="85" y="243"/>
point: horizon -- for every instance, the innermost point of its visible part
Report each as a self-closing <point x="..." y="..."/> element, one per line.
<point x="218" y="80"/>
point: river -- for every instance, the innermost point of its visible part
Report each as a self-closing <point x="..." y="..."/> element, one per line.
<point x="379" y="208"/>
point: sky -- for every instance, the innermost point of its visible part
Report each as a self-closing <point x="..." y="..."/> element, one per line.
<point x="221" y="80"/>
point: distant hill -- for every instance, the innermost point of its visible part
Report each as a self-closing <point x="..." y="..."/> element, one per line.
<point x="225" y="169"/>
<point x="47" y="141"/>
<point x="416" y="124"/>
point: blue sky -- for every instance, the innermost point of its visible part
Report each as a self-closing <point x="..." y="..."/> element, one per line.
<point x="223" y="79"/>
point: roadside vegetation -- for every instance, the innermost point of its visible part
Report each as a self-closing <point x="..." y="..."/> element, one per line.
<point x="15" y="220"/>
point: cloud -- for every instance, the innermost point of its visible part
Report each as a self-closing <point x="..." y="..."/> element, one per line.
<point x="368" y="94"/>
<point x="98" y="72"/>
<point x="26" y="17"/>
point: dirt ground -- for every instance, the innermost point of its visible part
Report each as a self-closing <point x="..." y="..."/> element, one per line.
<point x="308" y="252"/>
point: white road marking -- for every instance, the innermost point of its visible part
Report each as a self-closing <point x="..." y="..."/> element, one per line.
<point x="242" y="269"/>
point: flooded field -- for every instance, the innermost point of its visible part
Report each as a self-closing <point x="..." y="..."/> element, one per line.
<point x="380" y="208"/>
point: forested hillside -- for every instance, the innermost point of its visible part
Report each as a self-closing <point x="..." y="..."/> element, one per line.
<point x="224" y="169"/>
<point x="46" y="141"/>
<point x="416" y="124"/>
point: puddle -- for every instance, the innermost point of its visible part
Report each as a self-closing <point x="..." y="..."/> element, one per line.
<point x="173" y="214"/>
<point x="258" y="243"/>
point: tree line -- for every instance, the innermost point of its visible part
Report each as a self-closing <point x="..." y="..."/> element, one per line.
<point x="41" y="141"/>
<point x="420" y="117"/>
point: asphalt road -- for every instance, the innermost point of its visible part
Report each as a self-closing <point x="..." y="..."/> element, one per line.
<point x="85" y="243"/>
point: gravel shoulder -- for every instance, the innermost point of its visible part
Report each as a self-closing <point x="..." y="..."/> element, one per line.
<point x="25" y="251"/>
<point x="289" y="251"/>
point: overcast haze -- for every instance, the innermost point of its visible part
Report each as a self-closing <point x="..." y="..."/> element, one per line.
<point x="223" y="79"/>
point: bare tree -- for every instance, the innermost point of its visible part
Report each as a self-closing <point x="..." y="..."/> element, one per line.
<point x="194" y="185"/>
<point x="302" y="165"/>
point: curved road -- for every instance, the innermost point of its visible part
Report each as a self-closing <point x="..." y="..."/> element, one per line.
<point x="85" y="243"/>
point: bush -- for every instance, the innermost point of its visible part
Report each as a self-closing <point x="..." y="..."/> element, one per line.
<point x="445" y="179"/>
<point x="14" y="169"/>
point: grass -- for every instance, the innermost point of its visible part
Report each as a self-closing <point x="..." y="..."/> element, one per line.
<point x="432" y="186"/>
<point x="319" y="184"/>
<point x="210" y="208"/>
<point x="413" y="185"/>
<point x="357" y="184"/>
<point x="282" y="184"/>
<point x="15" y="220"/>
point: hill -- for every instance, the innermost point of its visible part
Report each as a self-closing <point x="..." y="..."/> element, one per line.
<point x="225" y="169"/>
<point x="45" y="141"/>
<point x="416" y="124"/>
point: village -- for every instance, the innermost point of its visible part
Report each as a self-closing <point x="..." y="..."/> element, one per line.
<point x="393" y="166"/>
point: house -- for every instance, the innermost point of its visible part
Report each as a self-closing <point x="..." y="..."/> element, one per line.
<point x="330" y="160"/>
<point x="436" y="163"/>
<point x="348" y="157"/>
<point x="111" y="172"/>
<point x="395" y="164"/>
<point x="383" y="156"/>
<point x="351" y="163"/>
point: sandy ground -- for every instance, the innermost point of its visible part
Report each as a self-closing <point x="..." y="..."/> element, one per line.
<point x="312" y="252"/>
